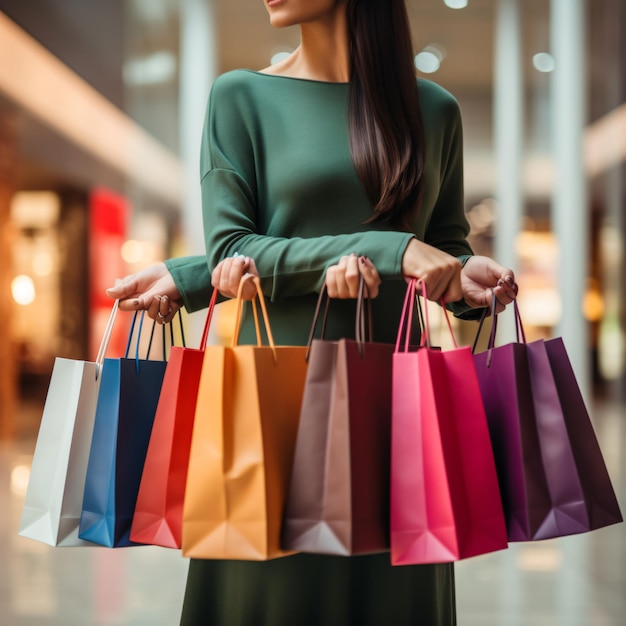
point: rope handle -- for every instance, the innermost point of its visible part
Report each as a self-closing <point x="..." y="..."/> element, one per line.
<point x="261" y="299"/>
<point x="207" y="321"/>
<point x="363" y="317"/>
<point x="520" y="335"/>
<point x="416" y="288"/>
<point x="106" y="338"/>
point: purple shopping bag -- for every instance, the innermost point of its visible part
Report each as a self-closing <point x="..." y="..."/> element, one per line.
<point x="552" y="475"/>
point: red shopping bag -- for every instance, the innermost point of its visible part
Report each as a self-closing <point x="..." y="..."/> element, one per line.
<point x="158" y="514"/>
<point x="445" y="500"/>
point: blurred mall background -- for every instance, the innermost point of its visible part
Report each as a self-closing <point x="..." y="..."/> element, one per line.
<point x="101" y="107"/>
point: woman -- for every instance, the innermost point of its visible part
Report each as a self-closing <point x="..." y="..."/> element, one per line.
<point x="333" y="163"/>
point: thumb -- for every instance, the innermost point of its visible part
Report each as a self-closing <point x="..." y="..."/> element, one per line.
<point x="122" y="289"/>
<point x="115" y="290"/>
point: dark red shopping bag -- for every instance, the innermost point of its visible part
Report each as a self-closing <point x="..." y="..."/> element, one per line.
<point x="552" y="475"/>
<point x="159" y="510"/>
<point x="338" y="501"/>
<point x="445" y="501"/>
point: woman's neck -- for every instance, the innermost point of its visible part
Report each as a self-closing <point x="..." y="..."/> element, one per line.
<point x="323" y="54"/>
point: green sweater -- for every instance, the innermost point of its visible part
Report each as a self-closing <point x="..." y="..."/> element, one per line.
<point x="278" y="185"/>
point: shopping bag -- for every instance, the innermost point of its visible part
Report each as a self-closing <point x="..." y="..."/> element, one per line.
<point x="445" y="501"/>
<point x="54" y="496"/>
<point x="242" y="446"/>
<point x="552" y="475"/>
<point x="338" y="501"/>
<point x="127" y="401"/>
<point x="158" y="515"/>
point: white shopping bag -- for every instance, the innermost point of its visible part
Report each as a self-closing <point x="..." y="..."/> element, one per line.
<point x="53" y="502"/>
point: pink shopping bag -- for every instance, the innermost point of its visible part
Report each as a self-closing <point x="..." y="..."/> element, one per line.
<point x="445" y="500"/>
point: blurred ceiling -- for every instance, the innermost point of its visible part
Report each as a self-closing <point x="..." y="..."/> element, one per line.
<point x="95" y="38"/>
<point x="466" y="36"/>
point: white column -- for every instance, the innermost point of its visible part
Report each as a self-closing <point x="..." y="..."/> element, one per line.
<point x="569" y="204"/>
<point x="508" y="129"/>
<point x="508" y="116"/>
<point x="198" y="69"/>
<point x="571" y="228"/>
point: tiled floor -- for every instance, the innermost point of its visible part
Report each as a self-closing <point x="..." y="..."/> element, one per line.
<point x="578" y="581"/>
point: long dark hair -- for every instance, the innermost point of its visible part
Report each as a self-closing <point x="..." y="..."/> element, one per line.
<point x="386" y="130"/>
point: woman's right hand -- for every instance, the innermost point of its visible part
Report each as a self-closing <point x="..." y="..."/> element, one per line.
<point x="440" y="271"/>
<point x="342" y="280"/>
<point x="152" y="289"/>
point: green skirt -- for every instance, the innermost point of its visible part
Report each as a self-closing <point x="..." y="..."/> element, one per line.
<point x="310" y="590"/>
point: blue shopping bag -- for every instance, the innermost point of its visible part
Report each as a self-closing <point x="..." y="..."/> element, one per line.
<point x="127" y="401"/>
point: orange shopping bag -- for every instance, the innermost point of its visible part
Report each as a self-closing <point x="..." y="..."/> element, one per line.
<point x="242" y="447"/>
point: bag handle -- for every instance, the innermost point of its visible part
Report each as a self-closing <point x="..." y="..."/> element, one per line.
<point x="106" y="338"/>
<point x="426" y="342"/>
<point x="520" y="335"/>
<point x="207" y="322"/>
<point x="406" y="318"/>
<point x="258" y="296"/>
<point x="362" y="312"/>
<point x="172" y="340"/>
<point x="130" y="337"/>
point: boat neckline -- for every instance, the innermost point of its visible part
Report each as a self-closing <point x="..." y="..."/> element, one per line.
<point x="303" y="80"/>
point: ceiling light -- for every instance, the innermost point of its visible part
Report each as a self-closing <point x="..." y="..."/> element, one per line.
<point x="429" y="59"/>
<point x="544" y="62"/>
<point x="23" y="289"/>
<point x="455" y="4"/>
<point x="280" y="55"/>
<point x="159" y="67"/>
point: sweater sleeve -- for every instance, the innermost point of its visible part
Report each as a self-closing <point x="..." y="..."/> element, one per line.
<point x="288" y="266"/>
<point x="448" y="227"/>
<point x="193" y="280"/>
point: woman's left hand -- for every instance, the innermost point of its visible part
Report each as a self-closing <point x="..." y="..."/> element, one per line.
<point x="480" y="276"/>
<point x="228" y="274"/>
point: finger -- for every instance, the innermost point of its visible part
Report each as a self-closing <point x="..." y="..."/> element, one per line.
<point x="222" y="277"/>
<point x="236" y="270"/>
<point x="216" y="275"/>
<point x="432" y="287"/>
<point x="251" y="267"/>
<point x="249" y="290"/>
<point x="341" y="286"/>
<point x="154" y="309"/>
<point x="132" y="304"/>
<point x="352" y="276"/>
<point x="226" y="276"/>
<point x="138" y="303"/>
<point x="503" y="297"/>
<point x="331" y="281"/>
<point x="509" y="286"/>
<point x="451" y="291"/>
<point x="166" y="310"/>
<point x="123" y="288"/>
<point x="370" y="276"/>
<point x="500" y="306"/>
